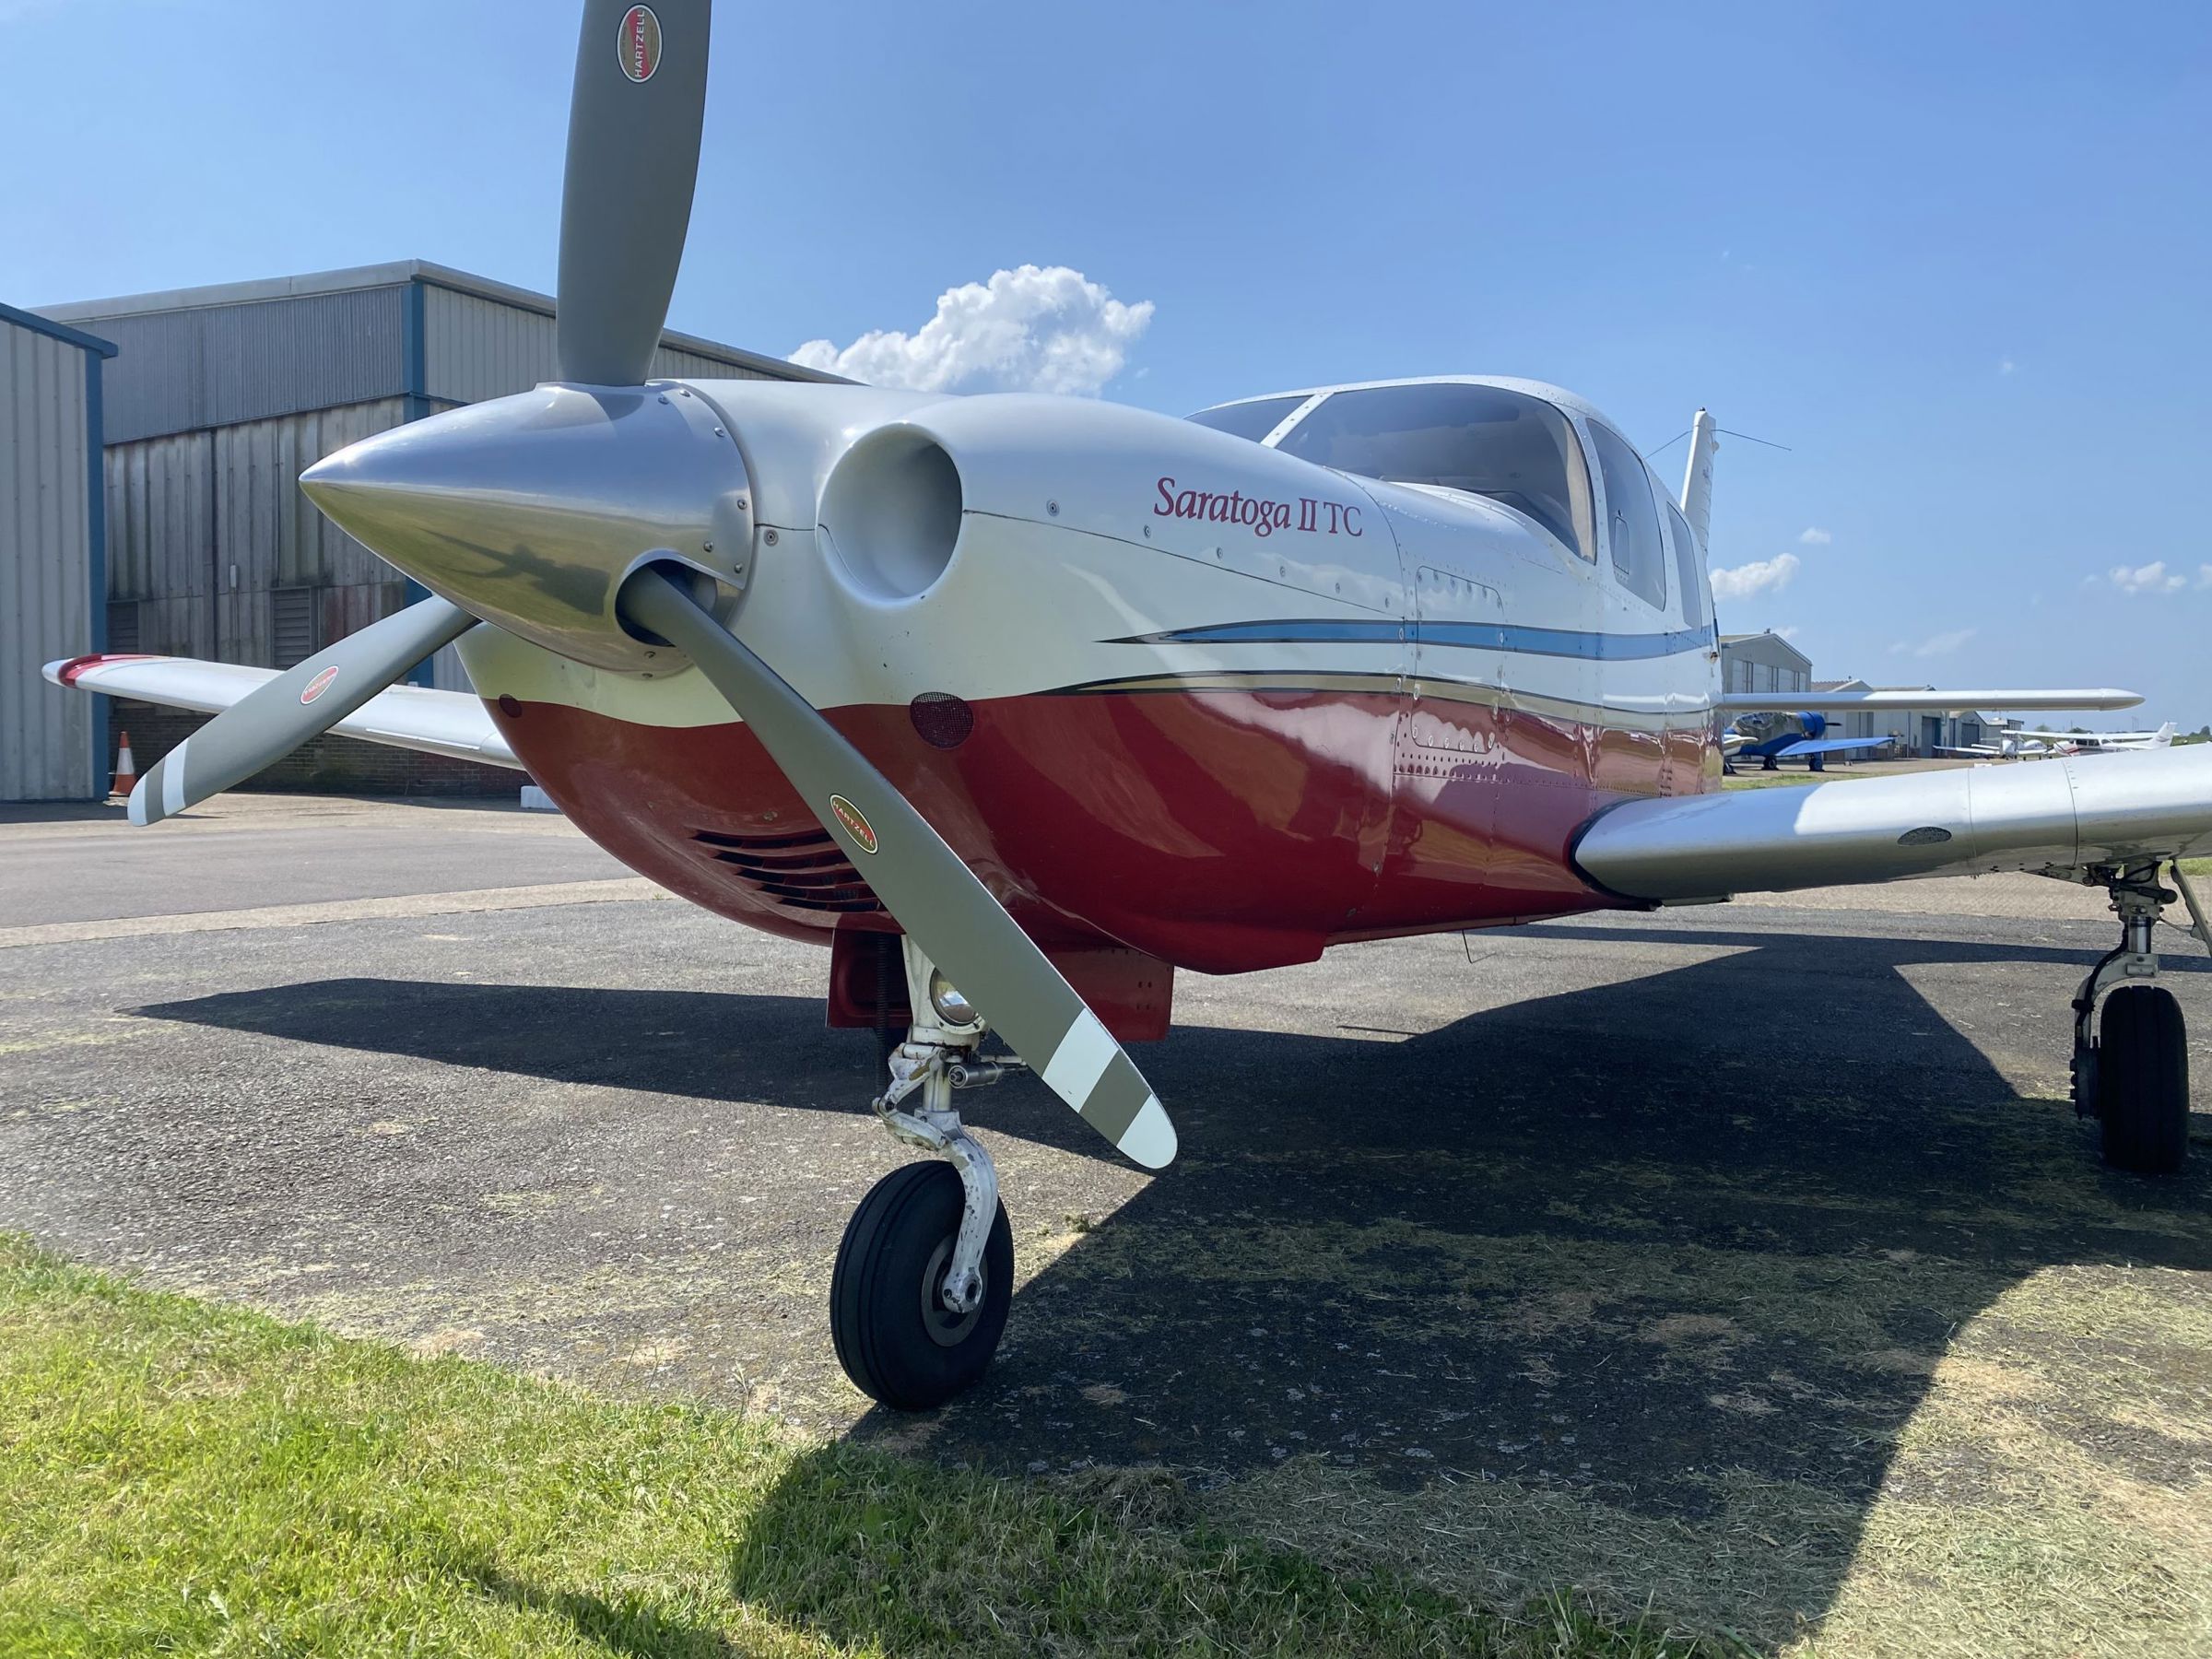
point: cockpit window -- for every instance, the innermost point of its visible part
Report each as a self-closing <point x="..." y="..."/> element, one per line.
<point x="1632" y="527"/>
<point x="1253" y="420"/>
<point x="1513" y="448"/>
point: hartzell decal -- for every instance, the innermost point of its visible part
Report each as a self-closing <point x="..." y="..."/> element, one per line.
<point x="1262" y="517"/>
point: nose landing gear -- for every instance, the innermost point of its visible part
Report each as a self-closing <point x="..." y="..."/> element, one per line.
<point x="924" y="1276"/>
<point x="2131" y="1070"/>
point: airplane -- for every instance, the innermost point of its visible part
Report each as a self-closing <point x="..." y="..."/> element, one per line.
<point x="2090" y="743"/>
<point x="1771" y="737"/>
<point x="2014" y="746"/>
<point x="1019" y="703"/>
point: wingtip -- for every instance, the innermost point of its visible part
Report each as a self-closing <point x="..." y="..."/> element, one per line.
<point x="1150" y="1138"/>
<point x="66" y="671"/>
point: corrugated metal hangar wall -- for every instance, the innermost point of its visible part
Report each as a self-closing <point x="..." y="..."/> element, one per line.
<point x="220" y="397"/>
<point x="52" y="741"/>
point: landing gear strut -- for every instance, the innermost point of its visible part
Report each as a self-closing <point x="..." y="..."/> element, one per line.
<point x="924" y="1276"/>
<point x="2131" y="1072"/>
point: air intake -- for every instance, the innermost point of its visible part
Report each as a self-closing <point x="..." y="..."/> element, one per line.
<point x="803" y="870"/>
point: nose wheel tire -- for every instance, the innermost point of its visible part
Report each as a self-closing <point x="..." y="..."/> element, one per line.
<point x="896" y="1337"/>
<point x="2143" y="1081"/>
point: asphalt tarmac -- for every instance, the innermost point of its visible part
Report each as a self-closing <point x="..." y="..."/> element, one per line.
<point x="1641" y="1251"/>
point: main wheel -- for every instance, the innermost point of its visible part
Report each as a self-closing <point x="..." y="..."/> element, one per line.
<point x="894" y="1337"/>
<point x="2143" y="1080"/>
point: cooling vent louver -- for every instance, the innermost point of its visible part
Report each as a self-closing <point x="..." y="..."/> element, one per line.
<point x="805" y="870"/>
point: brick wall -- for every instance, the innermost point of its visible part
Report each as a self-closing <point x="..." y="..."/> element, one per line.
<point x="327" y="765"/>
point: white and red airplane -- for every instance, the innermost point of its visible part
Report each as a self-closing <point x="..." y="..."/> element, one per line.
<point x="1018" y="703"/>
<point x="2098" y="743"/>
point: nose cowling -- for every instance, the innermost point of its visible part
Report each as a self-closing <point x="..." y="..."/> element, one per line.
<point x="530" y="511"/>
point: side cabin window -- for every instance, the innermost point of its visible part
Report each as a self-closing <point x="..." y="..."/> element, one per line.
<point x="1255" y="419"/>
<point x="1689" y="570"/>
<point x="1488" y="442"/>
<point x="1632" y="518"/>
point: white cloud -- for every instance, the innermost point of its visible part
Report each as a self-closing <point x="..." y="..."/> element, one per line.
<point x="1035" y="329"/>
<point x="1941" y="644"/>
<point x="1790" y="633"/>
<point x="1754" y="577"/>
<point x="2204" y="575"/>
<point x="2006" y="365"/>
<point x="1814" y="536"/>
<point x="2152" y="578"/>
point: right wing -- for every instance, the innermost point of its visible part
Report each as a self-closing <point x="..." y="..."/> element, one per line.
<point x="2120" y="810"/>
<point x="439" y="723"/>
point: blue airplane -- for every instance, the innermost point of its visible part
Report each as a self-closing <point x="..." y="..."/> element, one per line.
<point x="1773" y="738"/>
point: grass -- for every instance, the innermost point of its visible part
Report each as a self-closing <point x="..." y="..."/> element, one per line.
<point x="183" y="1478"/>
<point x="1752" y="779"/>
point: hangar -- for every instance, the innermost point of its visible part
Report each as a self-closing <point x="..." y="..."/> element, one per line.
<point x="1769" y="661"/>
<point x="215" y="401"/>
<point x="52" y="547"/>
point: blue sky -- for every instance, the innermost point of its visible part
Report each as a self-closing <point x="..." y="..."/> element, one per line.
<point x="1957" y="258"/>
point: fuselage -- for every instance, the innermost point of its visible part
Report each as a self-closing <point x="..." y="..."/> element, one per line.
<point x="1162" y="687"/>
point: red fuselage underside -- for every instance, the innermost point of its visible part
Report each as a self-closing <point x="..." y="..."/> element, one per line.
<point x="1220" y="831"/>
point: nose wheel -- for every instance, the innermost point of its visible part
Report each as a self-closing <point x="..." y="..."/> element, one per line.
<point x="924" y="1276"/>
<point x="900" y="1337"/>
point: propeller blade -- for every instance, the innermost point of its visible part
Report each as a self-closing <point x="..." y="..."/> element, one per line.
<point x="934" y="896"/>
<point x="299" y="703"/>
<point x="634" y="123"/>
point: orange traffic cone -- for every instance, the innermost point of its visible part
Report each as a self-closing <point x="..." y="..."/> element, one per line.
<point x="126" y="771"/>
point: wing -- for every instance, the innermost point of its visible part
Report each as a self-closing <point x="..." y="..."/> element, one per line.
<point x="1931" y="702"/>
<point x="1830" y="746"/>
<point x="438" y="723"/>
<point x="2123" y="809"/>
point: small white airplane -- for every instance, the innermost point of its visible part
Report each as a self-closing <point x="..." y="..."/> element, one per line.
<point x="2094" y="743"/>
<point x="2013" y="747"/>
<point x="1016" y="704"/>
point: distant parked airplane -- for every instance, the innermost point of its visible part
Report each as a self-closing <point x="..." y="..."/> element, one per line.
<point x="1773" y="735"/>
<point x="2091" y="743"/>
<point x="2013" y="747"/>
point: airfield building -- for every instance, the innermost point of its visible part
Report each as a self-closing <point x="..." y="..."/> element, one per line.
<point x="216" y="399"/>
<point x="51" y="552"/>
<point x="1763" y="662"/>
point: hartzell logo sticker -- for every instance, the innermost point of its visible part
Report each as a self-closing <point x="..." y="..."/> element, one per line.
<point x="638" y="46"/>
<point x="855" y="822"/>
<point x="1257" y="513"/>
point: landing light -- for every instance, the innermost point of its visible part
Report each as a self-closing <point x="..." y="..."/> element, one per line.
<point x="951" y="1007"/>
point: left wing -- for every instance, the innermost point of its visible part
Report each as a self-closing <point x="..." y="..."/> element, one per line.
<point x="2120" y="810"/>
<point x="438" y="723"/>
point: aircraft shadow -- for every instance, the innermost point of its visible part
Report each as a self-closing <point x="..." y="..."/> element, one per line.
<point x="1618" y="1247"/>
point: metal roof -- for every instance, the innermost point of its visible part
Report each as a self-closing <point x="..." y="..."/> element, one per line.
<point x="390" y="275"/>
<point x="56" y="331"/>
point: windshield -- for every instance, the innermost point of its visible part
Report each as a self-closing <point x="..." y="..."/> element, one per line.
<point x="1253" y="420"/>
<point x="1513" y="448"/>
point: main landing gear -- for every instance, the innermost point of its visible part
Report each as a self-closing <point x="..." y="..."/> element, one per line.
<point x="924" y="1276"/>
<point x="2131" y="1072"/>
